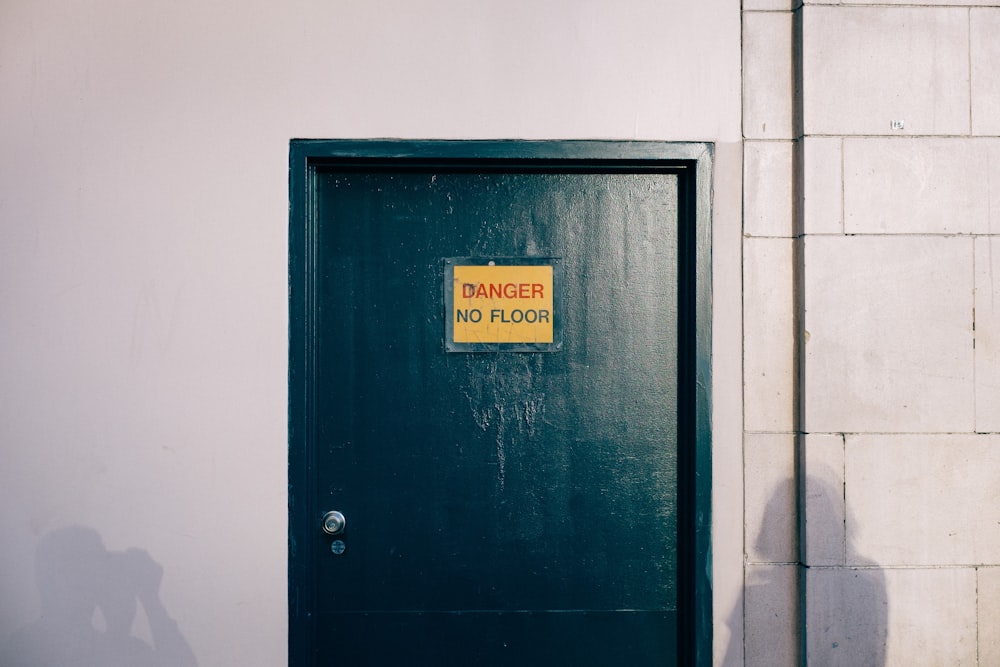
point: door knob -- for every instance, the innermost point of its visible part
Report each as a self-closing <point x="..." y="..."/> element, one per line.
<point x="334" y="523"/>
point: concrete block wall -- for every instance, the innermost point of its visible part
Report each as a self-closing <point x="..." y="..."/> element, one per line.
<point x="871" y="332"/>
<point x="771" y="571"/>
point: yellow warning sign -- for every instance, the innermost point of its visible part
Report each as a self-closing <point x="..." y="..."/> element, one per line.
<point x="502" y="304"/>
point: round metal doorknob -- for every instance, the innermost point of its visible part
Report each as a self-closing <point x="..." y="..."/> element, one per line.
<point x="334" y="523"/>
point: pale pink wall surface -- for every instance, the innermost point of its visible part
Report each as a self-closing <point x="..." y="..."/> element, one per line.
<point x="143" y="248"/>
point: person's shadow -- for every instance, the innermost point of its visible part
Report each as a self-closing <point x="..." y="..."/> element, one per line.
<point x="846" y="601"/>
<point x="77" y="576"/>
<point x="843" y="611"/>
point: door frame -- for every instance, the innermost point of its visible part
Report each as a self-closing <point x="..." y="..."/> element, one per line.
<point x="693" y="164"/>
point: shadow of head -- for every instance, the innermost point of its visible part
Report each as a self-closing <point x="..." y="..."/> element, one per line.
<point x="845" y="598"/>
<point x="817" y="504"/>
<point x="777" y="526"/>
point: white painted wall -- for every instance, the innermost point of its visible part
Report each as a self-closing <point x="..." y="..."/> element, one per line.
<point x="143" y="217"/>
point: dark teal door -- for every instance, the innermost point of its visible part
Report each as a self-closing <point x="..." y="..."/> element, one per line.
<point x="502" y="508"/>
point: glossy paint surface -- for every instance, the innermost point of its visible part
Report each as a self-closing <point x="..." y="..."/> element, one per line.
<point x="500" y="505"/>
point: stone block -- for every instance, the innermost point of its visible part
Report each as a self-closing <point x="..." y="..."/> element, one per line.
<point x="768" y="178"/>
<point x="847" y="616"/>
<point x="823" y="185"/>
<point x="888" y="330"/>
<point x="988" y="591"/>
<point x="985" y="45"/>
<point x="915" y="3"/>
<point x="767" y="75"/>
<point x="771" y="5"/>
<point x="823" y="538"/>
<point x="988" y="334"/>
<point x="932" y="617"/>
<point x="771" y="619"/>
<point x="871" y="616"/>
<point x="769" y="336"/>
<point x="923" y="499"/>
<point x="921" y="186"/>
<point x="864" y="67"/>
<point x="769" y="497"/>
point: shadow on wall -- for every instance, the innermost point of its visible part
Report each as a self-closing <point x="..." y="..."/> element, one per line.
<point x="845" y="605"/>
<point x="846" y="602"/>
<point x="76" y="577"/>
